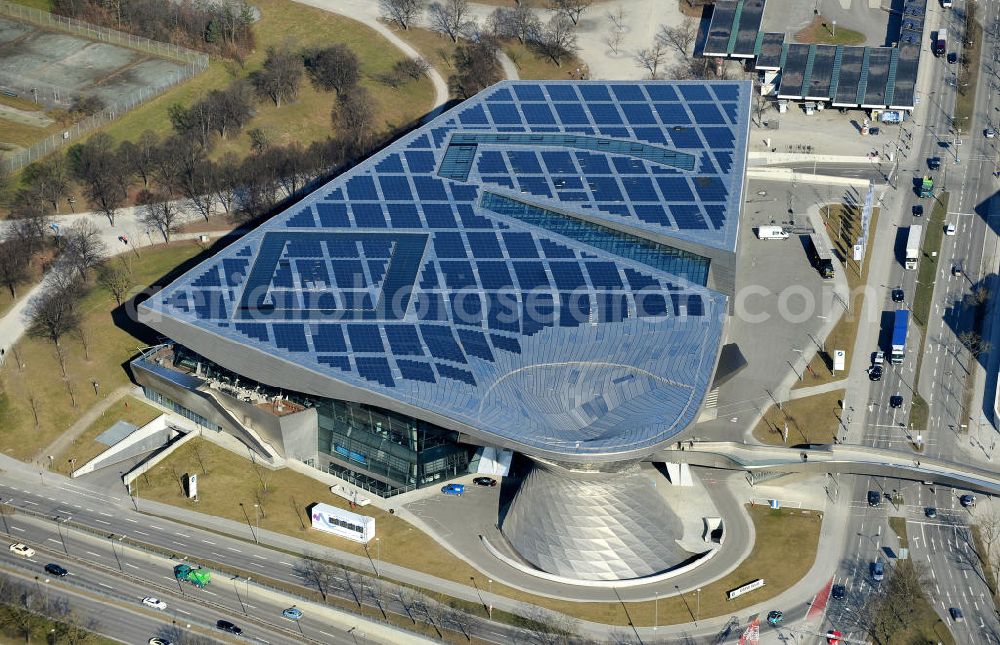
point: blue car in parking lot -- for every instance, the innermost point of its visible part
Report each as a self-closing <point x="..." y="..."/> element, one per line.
<point x="453" y="489"/>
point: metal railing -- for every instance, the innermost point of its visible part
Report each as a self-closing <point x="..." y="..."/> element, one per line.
<point x="192" y="63"/>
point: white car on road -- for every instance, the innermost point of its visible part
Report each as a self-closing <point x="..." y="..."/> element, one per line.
<point x="22" y="550"/>
<point x="949" y="229"/>
<point x="155" y="603"/>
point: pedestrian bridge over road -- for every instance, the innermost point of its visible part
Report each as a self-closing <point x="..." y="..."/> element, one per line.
<point x="840" y="458"/>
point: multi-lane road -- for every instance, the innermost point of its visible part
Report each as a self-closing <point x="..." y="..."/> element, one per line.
<point x="942" y="544"/>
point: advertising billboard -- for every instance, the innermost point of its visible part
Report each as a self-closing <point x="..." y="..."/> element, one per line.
<point x="330" y="519"/>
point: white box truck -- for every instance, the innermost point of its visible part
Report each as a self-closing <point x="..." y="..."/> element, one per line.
<point x="771" y="233"/>
<point x="913" y="247"/>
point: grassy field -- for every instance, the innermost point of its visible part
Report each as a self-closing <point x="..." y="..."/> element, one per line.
<point x="898" y="526"/>
<point x="84" y="448"/>
<point x="308" y="118"/>
<point x="929" y="260"/>
<point x="113" y="340"/>
<point x="965" y="101"/>
<point x="813" y="419"/>
<point x="228" y="482"/>
<point x="843" y="224"/>
<point x="821" y="31"/>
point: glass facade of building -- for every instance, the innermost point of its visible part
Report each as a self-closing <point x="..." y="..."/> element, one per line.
<point x="378" y="450"/>
<point x="169" y="403"/>
<point x="659" y="256"/>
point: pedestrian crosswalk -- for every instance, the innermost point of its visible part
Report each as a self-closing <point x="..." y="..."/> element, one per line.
<point x="712" y="400"/>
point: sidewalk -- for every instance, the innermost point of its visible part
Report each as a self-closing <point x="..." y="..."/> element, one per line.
<point x="81" y="424"/>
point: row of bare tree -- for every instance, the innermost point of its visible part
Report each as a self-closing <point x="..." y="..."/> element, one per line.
<point x="28" y="612"/>
<point x="537" y="626"/>
<point x="555" y="39"/>
<point x="217" y="26"/>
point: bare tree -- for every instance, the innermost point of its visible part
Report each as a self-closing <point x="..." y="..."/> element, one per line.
<point x="524" y="24"/>
<point x="354" y="117"/>
<point x="572" y="9"/>
<point x="156" y="211"/>
<point x="760" y="104"/>
<point x="544" y="627"/>
<point x="680" y="37"/>
<point x="974" y="343"/>
<point x="232" y="107"/>
<point x="333" y="68"/>
<point x="47" y="180"/>
<point x="105" y="179"/>
<point x="14" y="259"/>
<point x="476" y="67"/>
<point x="280" y="76"/>
<point x="988" y="525"/>
<point x="53" y="313"/>
<point x="116" y="277"/>
<point x="617" y="17"/>
<point x="459" y="620"/>
<point x="140" y="157"/>
<point x="651" y="58"/>
<point x="616" y="30"/>
<point x="402" y="12"/>
<point x="354" y="582"/>
<point x="558" y="39"/>
<point x="320" y="574"/>
<point x="33" y="403"/>
<point x="226" y="183"/>
<point x="895" y="607"/>
<point x="450" y="17"/>
<point x="83" y="247"/>
<point x="376" y="591"/>
<point x="408" y="600"/>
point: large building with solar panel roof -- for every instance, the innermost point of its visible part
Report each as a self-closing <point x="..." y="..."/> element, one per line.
<point x="546" y="268"/>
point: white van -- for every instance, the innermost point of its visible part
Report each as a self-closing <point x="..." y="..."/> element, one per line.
<point x="771" y="233"/>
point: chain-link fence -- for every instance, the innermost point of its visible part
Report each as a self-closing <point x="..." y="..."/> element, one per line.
<point x="193" y="63"/>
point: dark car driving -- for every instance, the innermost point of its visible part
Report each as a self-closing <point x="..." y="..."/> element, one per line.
<point x="918" y="210"/>
<point x="875" y="373"/>
<point x="896" y="401"/>
<point x="484" y="481"/>
<point x="874" y="498"/>
<point x="838" y="592"/>
<point x="227" y="626"/>
<point x="898" y="295"/>
<point x="55" y="570"/>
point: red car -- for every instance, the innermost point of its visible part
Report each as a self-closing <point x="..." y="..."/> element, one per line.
<point x="833" y="637"/>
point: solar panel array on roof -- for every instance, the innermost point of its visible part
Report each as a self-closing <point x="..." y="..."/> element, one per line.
<point x="793" y="73"/>
<point x="821" y="73"/>
<point x="427" y="278"/>
<point x="850" y="76"/>
<point x="878" y="76"/>
<point x="749" y="24"/>
<point x="720" y="29"/>
<point x="769" y="57"/>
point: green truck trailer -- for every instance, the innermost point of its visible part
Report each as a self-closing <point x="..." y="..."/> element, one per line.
<point x="927" y="187"/>
<point x="194" y="574"/>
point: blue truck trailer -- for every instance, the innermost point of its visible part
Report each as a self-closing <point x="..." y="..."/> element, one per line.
<point x="899" y="328"/>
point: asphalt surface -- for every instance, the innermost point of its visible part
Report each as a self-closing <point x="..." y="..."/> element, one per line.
<point x="941" y="544"/>
<point x="81" y="507"/>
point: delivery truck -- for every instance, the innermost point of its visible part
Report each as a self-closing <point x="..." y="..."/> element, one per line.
<point x="772" y="233"/>
<point x="820" y="256"/>
<point x="941" y="42"/>
<point x="913" y="247"/>
<point x="194" y="574"/>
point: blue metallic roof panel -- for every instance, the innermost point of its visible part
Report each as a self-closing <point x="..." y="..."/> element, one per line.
<point x="487" y="300"/>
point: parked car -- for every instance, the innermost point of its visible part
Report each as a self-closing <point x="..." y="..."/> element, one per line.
<point x="896" y="401"/>
<point x="930" y="512"/>
<point x="898" y="295"/>
<point x="158" y="641"/>
<point x="967" y="500"/>
<point x="55" y="570"/>
<point x="839" y="592"/>
<point x="453" y="489"/>
<point x="227" y="626"/>
<point x="155" y="603"/>
<point x="874" y="498"/>
<point x="878" y="571"/>
<point x="484" y="481"/>
<point x="292" y="613"/>
<point x="875" y="373"/>
<point x="949" y="229"/>
<point x="833" y="637"/>
<point x="22" y="550"/>
<point x="775" y="617"/>
<point x="956" y="614"/>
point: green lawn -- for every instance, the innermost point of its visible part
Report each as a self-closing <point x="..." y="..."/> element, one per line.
<point x="929" y="260"/>
<point x="813" y="419"/>
<point x="113" y="340"/>
<point x="231" y="480"/>
<point x="822" y="31"/>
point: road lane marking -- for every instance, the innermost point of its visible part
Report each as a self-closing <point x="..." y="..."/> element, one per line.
<point x="106" y="514"/>
<point x="232" y="549"/>
<point x="287" y="563"/>
<point x="18" y="528"/>
<point x="129" y="564"/>
<point x="28" y="501"/>
<point x="102" y="521"/>
<point x="96" y="555"/>
<point x="141" y="532"/>
<point x="53" y="540"/>
<point x="181" y="611"/>
<point x="105" y="586"/>
<point x="259" y="557"/>
<point x="153" y="526"/>
<point x="131" y="520"/>
<point x="211" y="593"/>
<point x="209" y="542"/>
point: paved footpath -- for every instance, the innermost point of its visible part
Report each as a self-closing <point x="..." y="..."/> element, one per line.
<point x="90" y="416"/>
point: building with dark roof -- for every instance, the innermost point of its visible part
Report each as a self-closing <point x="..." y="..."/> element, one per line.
<point x="546" y="268"/>
<point x="837" y="75"/>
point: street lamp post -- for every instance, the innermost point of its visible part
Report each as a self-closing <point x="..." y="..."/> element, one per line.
<point x="697" y="611"/>
<point x="256" y="512"/>
<point x="490" y="583"/>
<point x="378" y="558"/>
<point x="656" y="611"/>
